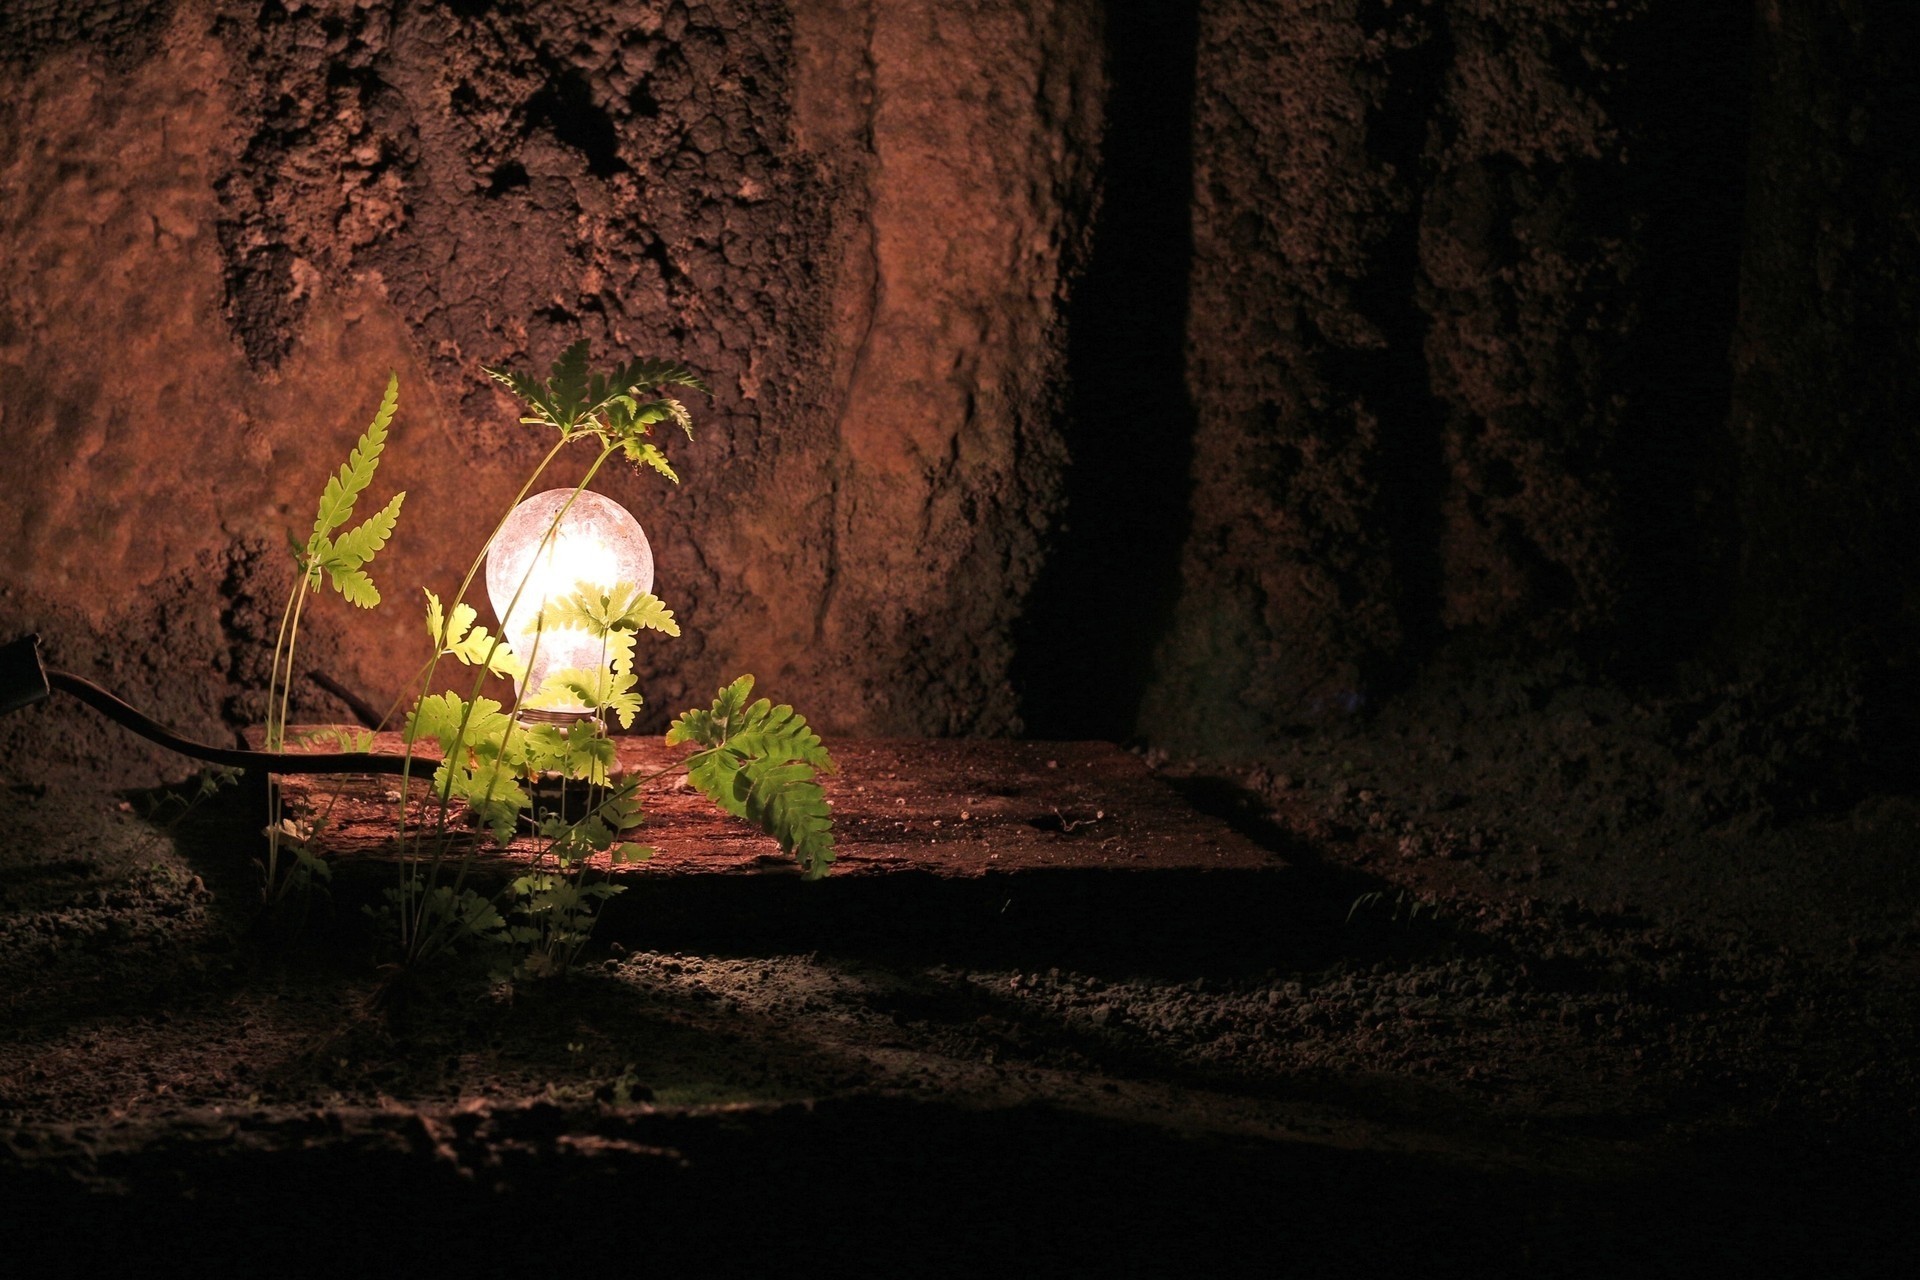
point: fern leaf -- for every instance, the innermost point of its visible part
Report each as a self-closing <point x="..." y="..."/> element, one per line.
<point x="365" y="540"/>
<point x="457" y="637"/>
<point x="499" y="658"/>
<point x="491" y="795"/>
<point x="641" y="453"/>
<point x="438" y="717"/>
<point x="785" y="802"/>
<point x="478" y="646"/>
<point x="622" y="701"/>
<point x="622" y="607"/>
<point x="642" y="373"/>
<point x="435" y="717"/>
<point x="578" y="751"/>
<point x="337" y="499"/>
<point x="567" y="382"/>
<point x="545" y="414"/>
<point x="586" y="689"/>
<point x="436" y="621"/>
<point x="782" y="799"/>
<point x="779" y="733"/>
<point x="355" y="586"/>
<point x="620" y="651"/>
<point x="759" y="764"/>
<point x="678" y="412"/>
<point x="709" y="728"/>
<point x="458" y="628"/>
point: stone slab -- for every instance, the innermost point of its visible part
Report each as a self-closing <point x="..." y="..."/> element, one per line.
<point x="950" y="808"/>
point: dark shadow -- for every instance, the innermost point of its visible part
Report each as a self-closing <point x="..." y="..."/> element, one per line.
<point x="1685" y="106"/>
<point x="565" y="105"/>
<point x="1394" y="379"/>
<point x="1111" y="578"/>
<point x="896" y="1187"/>
<point x="1299" y="912"/>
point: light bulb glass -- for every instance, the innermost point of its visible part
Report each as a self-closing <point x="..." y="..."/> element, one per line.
<point x="598" y="545"/>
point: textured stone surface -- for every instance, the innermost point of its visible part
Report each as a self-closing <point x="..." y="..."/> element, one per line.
<point x="946" y="809"/>
<point x="1288" y="582"/>
<point x="1461" y="276"/>
<point x="230" y="227"/>
<point x="1196" y="375"/>
<point x="1826" y="384"/>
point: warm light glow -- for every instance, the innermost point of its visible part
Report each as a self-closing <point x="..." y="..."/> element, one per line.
<point x="597" y="544"/>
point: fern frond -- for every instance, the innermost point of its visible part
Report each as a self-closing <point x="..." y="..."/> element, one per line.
<point x="355" y="586"/>
<point x="436" y="622"/>
<point x="780" y="798"/>
<point x="778" y="733"/>
<point x="437" y="716"/>
<point x="788" y="804"/>
<point x="584" y="688"/>
<point x="567" y="381"/>
<point x="337" y="499"/>
<point x="624" y="607"/>
<point x="490" y="794"/>
<point x="478" y="646"/>
<point x="642" y="373"/>
<point x="600" y="830"/>
<point x="708" y="728"/>
<point x="578" y="751"/>
<point x="457" y="637"/>
<point x="614" y="405"/>
<point x="759" y="764"/>
<point x="641" y="453"/>
<point x="678" y="412"/>
<point x="532" y="393"/>
<point x="365" y="540"/>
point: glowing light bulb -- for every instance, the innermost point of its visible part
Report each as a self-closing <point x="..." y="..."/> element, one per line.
<point x="597" y="544"/>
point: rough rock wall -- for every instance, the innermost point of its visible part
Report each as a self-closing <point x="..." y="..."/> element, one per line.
<point x="231" y="219"/>
<point x="1826" y="381"/>
<point x="1442" y="387"/>
<point x="1403" y="326"/>
<point x="1288" y="577"/>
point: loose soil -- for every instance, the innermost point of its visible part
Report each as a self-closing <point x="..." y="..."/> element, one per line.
<point x="1558" y="996"/>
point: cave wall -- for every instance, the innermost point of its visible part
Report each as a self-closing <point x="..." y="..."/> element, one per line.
<point x="1535" y="325"/>
<point x="1826" y="386"/>
<point x="1193" y="372"/>
<point x="225" y="222"/>
<point x="1459" y="273"/>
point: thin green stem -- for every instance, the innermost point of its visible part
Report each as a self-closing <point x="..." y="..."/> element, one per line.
<point x="440" y="641"/>
<point x="445" y="797"/>
<point x="277" y="730"/>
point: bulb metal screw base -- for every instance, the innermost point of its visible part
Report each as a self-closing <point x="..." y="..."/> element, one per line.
<point x="540" y="715"/>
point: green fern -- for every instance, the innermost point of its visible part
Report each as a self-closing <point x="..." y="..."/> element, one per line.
<point x="343" y="561"/>
<point x="337" y="499"/>
<point x="598" y="612"/>
<point x="577" y="750"/>
<point x="759" y="763"/>
<point x="457" y="637"/>
<point x="619" y="406"/>
<point x="591" y="689"/>
<point x="368" y="538"/>
<point x="439" y="716"/>
<point x="600" y="830"/>
<point x="644" y="453"/>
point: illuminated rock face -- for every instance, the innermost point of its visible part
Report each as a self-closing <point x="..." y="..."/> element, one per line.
<point x="857" y="223"/>
<point x="1435" y="306"/>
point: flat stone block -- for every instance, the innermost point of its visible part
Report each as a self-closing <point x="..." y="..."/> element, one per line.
<point x="955" y="808"/>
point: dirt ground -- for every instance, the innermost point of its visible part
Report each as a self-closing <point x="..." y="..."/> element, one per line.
<point x="1564" y="992"/>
